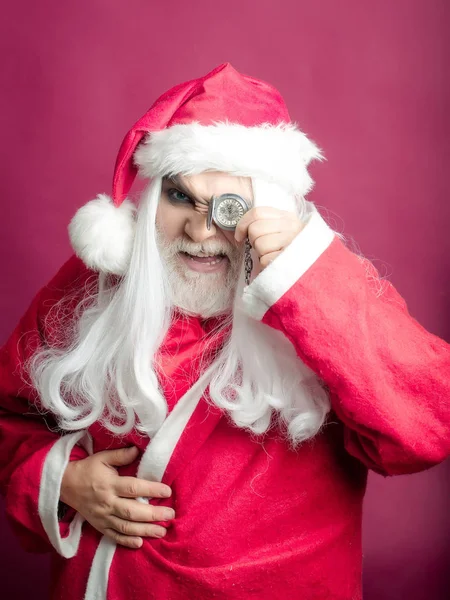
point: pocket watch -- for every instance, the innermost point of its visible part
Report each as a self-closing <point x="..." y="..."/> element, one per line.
<point x="226" y="210"/>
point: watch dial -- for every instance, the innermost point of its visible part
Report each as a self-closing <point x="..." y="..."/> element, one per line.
<point x="228" y="212"/>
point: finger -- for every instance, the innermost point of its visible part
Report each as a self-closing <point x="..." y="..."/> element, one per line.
<point x="291" y="226"/>
<point x="273" y="242"/>
<point x="132" y="487"/>
<point x="255" y="214"/>
<point x="259" y="228"/>
<point x="268" y="258"/>
<point x="130" y="510"/>
<point x="131" y="529"/>
<point x="124" y="540"/>
<point x="119" y="457"/>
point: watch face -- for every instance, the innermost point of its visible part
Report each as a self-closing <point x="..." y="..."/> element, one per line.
<point x="228" y="210"/>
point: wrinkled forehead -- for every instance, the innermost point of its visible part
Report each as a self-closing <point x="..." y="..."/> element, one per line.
<point x="211" y="183"/>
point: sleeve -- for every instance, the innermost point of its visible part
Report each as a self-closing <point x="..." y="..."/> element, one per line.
<point x="388" y="378"/>
<point x="33" y="454"/>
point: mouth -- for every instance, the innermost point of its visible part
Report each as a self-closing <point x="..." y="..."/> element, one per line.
<point x="204" y="263"/>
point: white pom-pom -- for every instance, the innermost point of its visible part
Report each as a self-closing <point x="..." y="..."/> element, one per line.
<point x="102" y="234"/>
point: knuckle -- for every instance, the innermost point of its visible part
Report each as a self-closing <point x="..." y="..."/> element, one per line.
<point x="98" y="512"/>
<point x="100" y="487"/>
<point x="124" y="528"/>
<point x="97" y="486"/>
<point x="127" y="514"/>
<point x="158" y="514"/>
<point x="252" y="230"/>
<point x="153" y="514"/>
<point x="258" y="247"/>
<point x="132" y="489"/>
<point x="113" y="535"/>
<point x="103" y="506"/>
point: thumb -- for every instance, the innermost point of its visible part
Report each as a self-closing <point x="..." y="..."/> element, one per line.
<point x="120" y="456"/>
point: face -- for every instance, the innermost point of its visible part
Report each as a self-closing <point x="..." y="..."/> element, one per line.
<point x="203" y="265"/>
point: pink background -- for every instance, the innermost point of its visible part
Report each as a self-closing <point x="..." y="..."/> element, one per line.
<point x="366" y="80"/>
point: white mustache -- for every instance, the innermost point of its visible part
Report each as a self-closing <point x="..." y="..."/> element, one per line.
<point x="208" y="248"/>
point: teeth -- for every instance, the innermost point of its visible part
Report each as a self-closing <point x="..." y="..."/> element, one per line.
<point x="211" y="262"/>
<point x="204" y="255"/>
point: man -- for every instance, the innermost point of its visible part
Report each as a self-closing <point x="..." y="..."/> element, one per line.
<point x="192" y="429"/>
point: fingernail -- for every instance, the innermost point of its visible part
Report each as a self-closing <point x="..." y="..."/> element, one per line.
<point x="166" y="492"/>
<point x="168" y="513"/>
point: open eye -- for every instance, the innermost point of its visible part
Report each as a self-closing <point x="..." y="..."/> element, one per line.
<point x="178" y="197"/>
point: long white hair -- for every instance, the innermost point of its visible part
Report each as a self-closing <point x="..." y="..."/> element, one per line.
<point x="107" y="372"/>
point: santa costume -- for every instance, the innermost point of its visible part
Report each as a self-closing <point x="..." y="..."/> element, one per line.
<point x="256" y="515"/>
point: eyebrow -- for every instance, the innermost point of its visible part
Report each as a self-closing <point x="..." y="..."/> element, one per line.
<point x="175" y="181"/>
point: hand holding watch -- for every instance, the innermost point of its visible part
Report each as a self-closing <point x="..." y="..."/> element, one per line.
<point x="266" y="230"/>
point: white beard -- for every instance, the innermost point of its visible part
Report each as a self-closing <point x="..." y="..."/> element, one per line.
<point x="203" y="294"/>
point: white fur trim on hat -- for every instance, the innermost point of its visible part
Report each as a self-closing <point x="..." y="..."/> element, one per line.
<point x="102" y="234"/>
<point x="277" y="153"/>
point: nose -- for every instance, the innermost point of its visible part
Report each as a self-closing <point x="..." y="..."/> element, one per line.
<point x="196" y="229"/>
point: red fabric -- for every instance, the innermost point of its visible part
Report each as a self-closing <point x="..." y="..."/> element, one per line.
<point x="247" y="101"/>
<point x="255" y="518"/>
<point x="177" y="366"/>
<point x="389" y="377"/>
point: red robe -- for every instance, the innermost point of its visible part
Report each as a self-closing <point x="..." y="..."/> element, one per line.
<point x="254" y="518"/>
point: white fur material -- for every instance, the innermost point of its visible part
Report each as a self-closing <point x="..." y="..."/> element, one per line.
<point x="49" y="492"/>
<point x="159" y="451"/>
<point x="278" y="153"/>
<point x="97" y="585"/>
<point x="280" y="275"/>
<point x="102" y="234"/>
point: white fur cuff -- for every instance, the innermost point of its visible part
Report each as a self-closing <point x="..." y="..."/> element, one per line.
<point x="52" y="473"/>
<point x="280" y="275"/>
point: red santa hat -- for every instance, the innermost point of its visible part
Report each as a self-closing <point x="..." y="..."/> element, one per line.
<point x="223" y="121"/>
